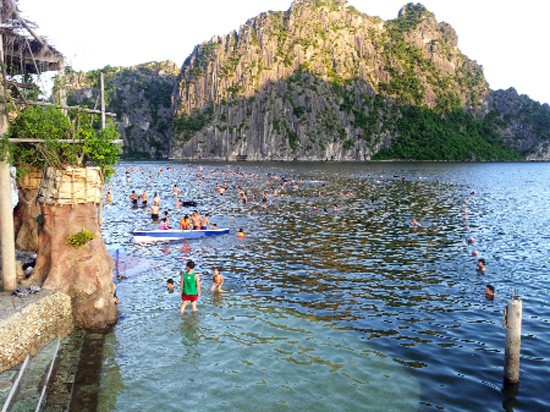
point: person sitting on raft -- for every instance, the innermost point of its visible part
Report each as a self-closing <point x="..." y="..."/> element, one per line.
<point x="164" y="224"/>
<point x="196" y="220"/>
<point x="205" y="222"/>
<point x="185" y="223"/>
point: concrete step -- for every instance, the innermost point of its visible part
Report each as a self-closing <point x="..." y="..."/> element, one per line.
<point x="29" y="386"/>
<point x="9" y="381"/>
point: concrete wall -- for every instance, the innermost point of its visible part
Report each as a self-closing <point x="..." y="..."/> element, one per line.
<point x="29" y="323"/>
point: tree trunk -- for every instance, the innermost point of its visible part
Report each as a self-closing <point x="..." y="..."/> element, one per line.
<point x="84" y="272"/>
<point x="25" y="223"/>
<point x="67" y="200"/>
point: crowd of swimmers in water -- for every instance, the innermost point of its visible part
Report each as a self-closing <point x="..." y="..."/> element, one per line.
<point x="275" y="186"/>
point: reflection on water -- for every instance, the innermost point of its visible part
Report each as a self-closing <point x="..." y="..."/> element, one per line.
<point x="339" y="303"/>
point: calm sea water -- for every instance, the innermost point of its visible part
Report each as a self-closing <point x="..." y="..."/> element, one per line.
<point x="348" y="309"/>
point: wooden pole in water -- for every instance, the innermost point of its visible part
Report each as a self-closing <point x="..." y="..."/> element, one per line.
<point x="513" y="340"/>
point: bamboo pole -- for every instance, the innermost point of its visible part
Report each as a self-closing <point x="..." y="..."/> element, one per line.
<point x="34" y="103"/>
<point x="7" y="234"/>
<point x="102" y="95"/>
<point x="32" y="140"/>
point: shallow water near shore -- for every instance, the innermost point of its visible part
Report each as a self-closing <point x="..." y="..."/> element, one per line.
<point x="345" y="309"/>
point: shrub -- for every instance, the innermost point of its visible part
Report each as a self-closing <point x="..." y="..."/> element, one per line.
<point x="80" y="238"/>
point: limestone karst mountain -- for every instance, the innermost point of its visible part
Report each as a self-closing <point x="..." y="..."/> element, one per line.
<point x="323" y="81"/>
<point x="140" y="96"/>
<point x="318" y="82"/>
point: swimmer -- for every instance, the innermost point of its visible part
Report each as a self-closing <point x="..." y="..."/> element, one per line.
<point x="217" y="280"/>
<point x="489" y="292"/>
<point x="415" y="222"/>
<point x="134" y="199"/>
<point x="481" y="266"/>
<point x="170" y="285"/>
<point x="185" y="222"/>
<point x="155" y="213"/>
<point x="196" y="220"/>
<point x="240" y="233"/>
<point x="156" y="199"/>
<point x="176" y="191"/>
<point x="205" y="222"/>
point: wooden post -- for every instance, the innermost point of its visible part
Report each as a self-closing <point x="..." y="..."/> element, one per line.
<point x="513" y="340"/>
<point x="102" y="95"/>
<point x="7" y="234"/>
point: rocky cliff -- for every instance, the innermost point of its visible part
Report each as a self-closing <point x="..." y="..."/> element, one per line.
<point x="323" y="81"/>
<point x="320" y="81"/>
<point x="140" y="96"/>
<point x="522" y="123"/>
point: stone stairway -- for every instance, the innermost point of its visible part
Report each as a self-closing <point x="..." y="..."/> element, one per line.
<point x="64" y="376"/>
<point x="23" y="388"/>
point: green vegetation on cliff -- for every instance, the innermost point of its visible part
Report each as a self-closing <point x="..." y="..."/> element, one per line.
<point x="426" y="135"/>
<point x="140" y="96"/>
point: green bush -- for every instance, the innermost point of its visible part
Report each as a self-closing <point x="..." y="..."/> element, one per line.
<point x="52" y="125"/>
<point x="80" y="238"/>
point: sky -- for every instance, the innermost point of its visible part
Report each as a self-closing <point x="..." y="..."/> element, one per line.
<point x="507" y="37"/>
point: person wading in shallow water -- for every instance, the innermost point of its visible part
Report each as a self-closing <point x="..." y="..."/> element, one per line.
<point x="217" y="280"/>
<point x="190" y="287"/>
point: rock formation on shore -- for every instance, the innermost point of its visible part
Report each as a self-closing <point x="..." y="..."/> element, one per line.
<point x="72" y="257"/>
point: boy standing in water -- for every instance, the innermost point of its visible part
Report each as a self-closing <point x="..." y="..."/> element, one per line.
<point x="190" y="287"/>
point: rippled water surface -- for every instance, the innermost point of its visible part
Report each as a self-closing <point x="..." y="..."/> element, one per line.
<point x="345" y="309"/>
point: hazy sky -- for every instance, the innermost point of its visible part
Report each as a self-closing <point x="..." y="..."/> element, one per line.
<point x="508" y="38"/>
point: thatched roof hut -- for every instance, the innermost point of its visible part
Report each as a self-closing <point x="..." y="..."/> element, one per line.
<point x="25" y="52"/>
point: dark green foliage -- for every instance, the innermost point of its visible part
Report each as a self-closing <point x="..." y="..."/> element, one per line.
<point x="51" y="124"/>
<point x="188" y="125"/>
<point x="292" y="139"/>
<point x="427" y="135"/>
<point x="411" y="17"/>
<point x="407" y="87"/>
<point x="348" y="144"/>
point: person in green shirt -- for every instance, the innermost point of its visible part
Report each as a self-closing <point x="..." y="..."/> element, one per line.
<point x="190" y="287"/>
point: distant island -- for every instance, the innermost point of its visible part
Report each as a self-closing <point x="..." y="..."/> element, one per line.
<point x="321" y="81"/>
